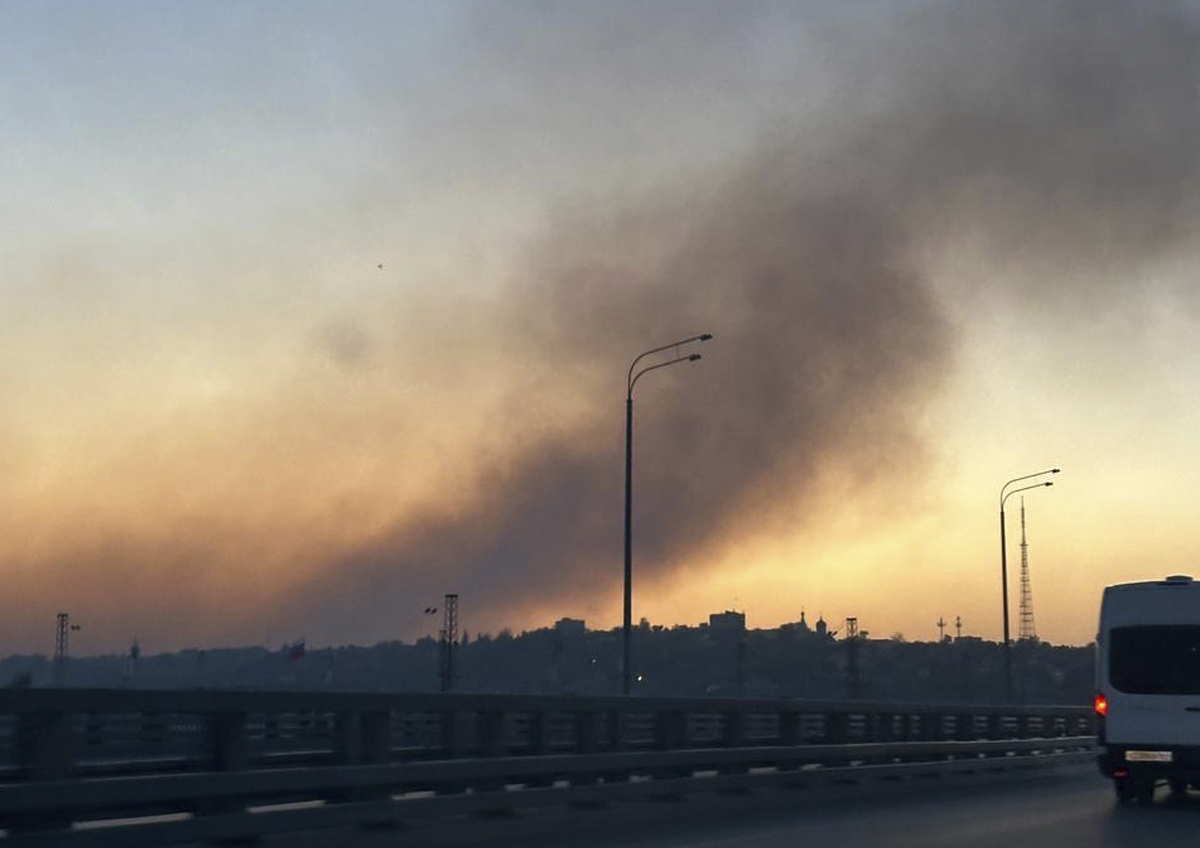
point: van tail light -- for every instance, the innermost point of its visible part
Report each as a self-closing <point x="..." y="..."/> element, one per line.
<point x="1100" y="704"/>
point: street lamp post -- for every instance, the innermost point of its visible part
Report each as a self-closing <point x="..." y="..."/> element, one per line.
<point x="631" y="379"/>
<point x="1005" y="494"/>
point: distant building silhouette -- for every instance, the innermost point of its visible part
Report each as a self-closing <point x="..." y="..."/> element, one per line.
<point x="729" y="621"/>
<point x="719" y="657"/>
<point x="570" y="627"/>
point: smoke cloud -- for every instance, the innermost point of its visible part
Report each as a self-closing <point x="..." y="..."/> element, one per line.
<point x="1056" y="137"/>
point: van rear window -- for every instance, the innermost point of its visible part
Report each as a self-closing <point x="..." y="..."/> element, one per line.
<point x="1155" y="659"/>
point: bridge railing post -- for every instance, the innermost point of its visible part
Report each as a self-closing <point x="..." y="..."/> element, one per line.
<point x="375" y="728"/>
<point x="347" y="738"/>
<point x="226" y="741"/>
<point x="227" y="750"/>
<point x="491" y="733"/>
<point x="870" y="730"/>
<point x="586" y="731"/>
<point x="837" y="725"/>
<point x="931" y="726"/>
<point x="995" y="726"/>
<point x="789" y="728"/>
<point x="539" y="732"/>
<point x="45" y="745"/>
<point x="671" y="734"/>
<point x="93" y="730"/>
<point x="735" y="729"/>
<point x="885" y="727"/>
<point x="453" y="732"/>
<point x="153" y="729"/>
<point x="914" y="727"/>
<point x="586" y="726"/>
<point x="670" y="730"/>
<point x="735" y="725"/>
<point x="362" y="738"/>
<point x="614" y="726"/>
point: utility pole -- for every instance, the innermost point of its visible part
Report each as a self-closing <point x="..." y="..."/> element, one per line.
<point x="1005" y="494"/>
<point x="941" y="625"/>
<point x="958" y="627"/>
<point x="853" y="673"/>
<point x="449" y="640"/>
<point x="739" y="665"/>
<point x="131" y="663"/>
<point x="62" y="636"/>
<point x="631" y="379"/>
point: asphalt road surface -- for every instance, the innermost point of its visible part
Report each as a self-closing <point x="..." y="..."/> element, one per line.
<point x="1074" y="807"/>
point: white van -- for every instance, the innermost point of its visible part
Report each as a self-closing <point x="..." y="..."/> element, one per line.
<point x="1148" y="686"/>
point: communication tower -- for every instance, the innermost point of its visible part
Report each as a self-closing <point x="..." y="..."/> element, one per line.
<point x="62" y="636"/>
<point x="1026" y="629"/>
<point x="449" y="641"/>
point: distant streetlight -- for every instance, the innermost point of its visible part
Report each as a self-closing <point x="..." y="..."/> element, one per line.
<point x="631" y="380"/>
<point x="1005" y="494"/>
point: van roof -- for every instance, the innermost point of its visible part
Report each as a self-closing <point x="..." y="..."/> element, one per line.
<point x="1174" y="600"/>
<point x="1180" y="580"/>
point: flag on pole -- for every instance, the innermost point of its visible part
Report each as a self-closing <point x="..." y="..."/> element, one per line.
<point x="295" y="651"/>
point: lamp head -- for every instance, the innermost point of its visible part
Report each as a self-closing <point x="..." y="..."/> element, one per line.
<point x="1048" y="484"/>
<point x="693" y="357"/>
<point x="1055" y="470"/>
<point x="705" y="336"/>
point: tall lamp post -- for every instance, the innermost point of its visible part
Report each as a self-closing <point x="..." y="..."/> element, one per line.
<point x="1005" y="494"/>
<point x="631" y="380"/>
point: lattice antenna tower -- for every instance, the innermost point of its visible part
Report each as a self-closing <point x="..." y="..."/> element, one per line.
<point x="449" y="640"/>
<point x="61" y="630"/>
<point x="62" y="637"/>
<point x="1026" y="629"/>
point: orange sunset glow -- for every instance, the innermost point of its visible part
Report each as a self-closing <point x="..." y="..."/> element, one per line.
<point x="307" y="319"/>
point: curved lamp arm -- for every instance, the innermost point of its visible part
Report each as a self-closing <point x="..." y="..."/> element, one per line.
<point x="1004" y="488"/>
<point x="1023" y="489"/>
<point x="689" y="358"/>
<point x="632" y="378"/>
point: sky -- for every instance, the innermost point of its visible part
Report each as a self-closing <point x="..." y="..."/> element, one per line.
<point x="311" y="312"/>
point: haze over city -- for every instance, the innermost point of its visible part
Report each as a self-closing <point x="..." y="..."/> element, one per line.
<point x="313" y="312"/>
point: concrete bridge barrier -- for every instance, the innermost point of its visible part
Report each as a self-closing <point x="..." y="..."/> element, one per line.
<point x="94" y="767"/>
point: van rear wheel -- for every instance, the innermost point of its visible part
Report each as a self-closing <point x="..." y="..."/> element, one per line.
<point x="1144" y="789"/>
<point x="1124" y="789"/>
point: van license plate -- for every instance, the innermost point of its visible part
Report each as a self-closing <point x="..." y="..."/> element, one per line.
<point x="1149" y="756"/>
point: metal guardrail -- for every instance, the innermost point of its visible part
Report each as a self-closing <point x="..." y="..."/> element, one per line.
<point x="71" y="759"/>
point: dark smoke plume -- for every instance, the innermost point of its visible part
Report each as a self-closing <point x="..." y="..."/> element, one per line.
<point x="1059" y="135"/>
